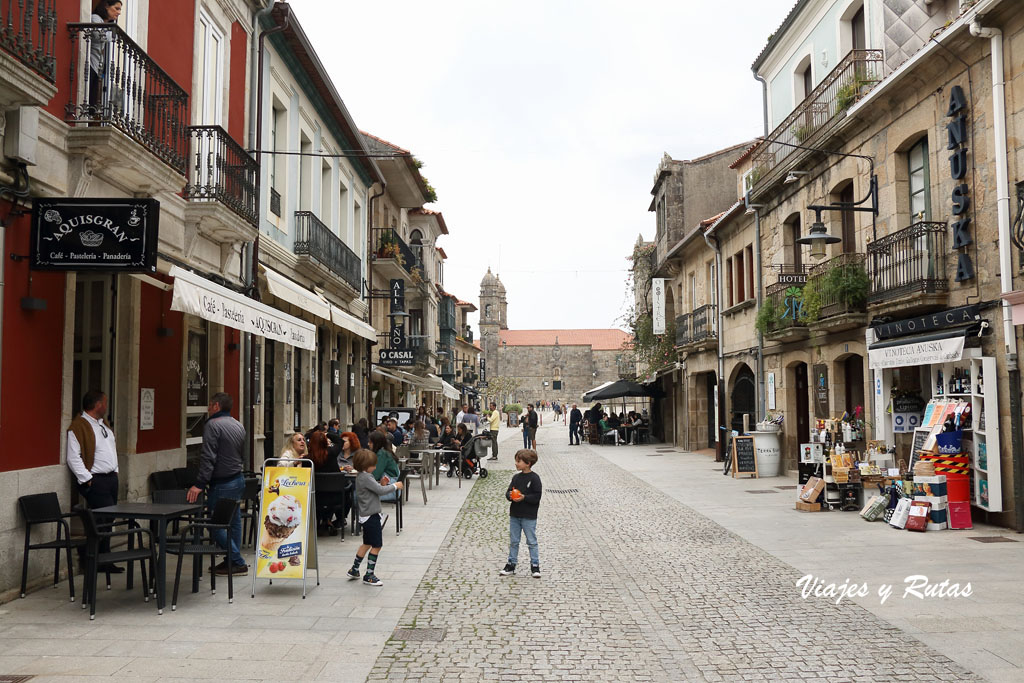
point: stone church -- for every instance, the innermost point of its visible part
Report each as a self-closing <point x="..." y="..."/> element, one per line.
<point x="554" y="365"/>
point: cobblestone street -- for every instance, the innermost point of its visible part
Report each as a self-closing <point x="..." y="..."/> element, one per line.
<point x="636" y="586"/>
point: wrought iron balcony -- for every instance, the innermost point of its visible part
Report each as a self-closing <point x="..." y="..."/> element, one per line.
<point x="29" y="32"/>
<point x="684" y="334"/>
<point x="221" y="171"/>
<point x="784" y="316"/>
<point x="909" y="261"/>
<point x="115" y="83"/>
<point x="836" y="287"/>
<point x="705" y="321"/>
<point x="850" y="80"/>
<point x="387" y="244"/>
<point x="314" y="239"/>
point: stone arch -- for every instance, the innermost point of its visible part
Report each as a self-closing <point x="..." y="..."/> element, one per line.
<point x="742" y="397"/>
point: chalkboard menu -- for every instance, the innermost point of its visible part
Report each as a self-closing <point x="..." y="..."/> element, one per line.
<point x="920" y="437"/>
<point x="744" y="461"/>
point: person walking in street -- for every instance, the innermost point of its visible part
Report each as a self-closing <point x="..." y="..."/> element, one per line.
<point x="368" y="496"/>
<point x="471" y="420"/>
<point x="575" y="418"/>
<point x="524" y="493"/>
<point x="220" y="473"/>
<point x="493" y="423"/>
<point x="530" y="424"/>
<point x="92" y="458"/>
<point x="461" y="414"/>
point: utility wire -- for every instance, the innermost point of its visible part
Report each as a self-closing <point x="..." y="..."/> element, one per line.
<point x="344" y="154"/>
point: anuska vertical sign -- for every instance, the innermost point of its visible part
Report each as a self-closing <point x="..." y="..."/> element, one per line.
<point x="956" y="135"/>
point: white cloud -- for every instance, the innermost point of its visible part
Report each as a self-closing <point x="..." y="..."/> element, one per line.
<point x="540" y="124"/>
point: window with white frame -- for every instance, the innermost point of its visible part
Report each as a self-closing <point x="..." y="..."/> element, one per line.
<point x="210" y="70"/>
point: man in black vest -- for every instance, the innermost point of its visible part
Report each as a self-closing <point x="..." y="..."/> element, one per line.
<point x="575" y="417"/>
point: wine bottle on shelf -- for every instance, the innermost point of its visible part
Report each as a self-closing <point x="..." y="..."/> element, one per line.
<point x="981" y="381"/>
<point x="938" y="384"/>
<point x="967" y="380"/>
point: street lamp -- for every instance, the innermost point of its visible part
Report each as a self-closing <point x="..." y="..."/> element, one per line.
<point x="818" y="236"/>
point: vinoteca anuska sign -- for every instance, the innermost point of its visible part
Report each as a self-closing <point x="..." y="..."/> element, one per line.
<point x="99" y="235"/>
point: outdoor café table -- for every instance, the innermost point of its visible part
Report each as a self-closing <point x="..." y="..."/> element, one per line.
<point x="161" y="513"/>
<point x="434" y="465"/>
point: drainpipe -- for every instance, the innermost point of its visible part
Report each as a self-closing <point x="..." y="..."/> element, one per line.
<point x="764" y="99"/>
<point x="369" y="296"/>
<point x="720" y="441"/>
<point x="255" y="139"/>
<point x="760" y="302"/>
<point x="995" y="37"/>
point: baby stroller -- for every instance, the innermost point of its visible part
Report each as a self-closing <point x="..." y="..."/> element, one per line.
<point x="473" y="452"/>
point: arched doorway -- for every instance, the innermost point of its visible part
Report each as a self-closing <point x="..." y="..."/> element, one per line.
<point x="742" y="398"/>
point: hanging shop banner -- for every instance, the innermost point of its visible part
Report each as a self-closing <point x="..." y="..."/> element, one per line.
<point x="946" y="350"/>
<point x="658" y="289"/>
<point x="932" y="322"/>
<point x="200" y="297"/>
<point x="98" y="235"/>
<point x="396" y="289"/>
<point x="286" y="546"/>
<point x="335" y="382"/>
<point x="821" y="391"/>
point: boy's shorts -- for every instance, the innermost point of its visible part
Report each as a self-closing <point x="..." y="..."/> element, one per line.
<point x="373" y="535"/>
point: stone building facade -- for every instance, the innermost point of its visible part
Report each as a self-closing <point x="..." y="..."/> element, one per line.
<point x="553" y="365"/>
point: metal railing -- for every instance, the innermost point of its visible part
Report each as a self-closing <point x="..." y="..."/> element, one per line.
<point x="704" y="322"/>
<point x="785" y="301"/>
<point x="314" y="239"/>
<point x="840" y="286"/>
<point x="850" y="80"/>
<point x="221" y="171"/>
<point x="388" y="244"/>
<point x="28" y="33"/>
<point x="908" y="261"/>
<point x="684" y="334"/>
<point x="115" y="83"/>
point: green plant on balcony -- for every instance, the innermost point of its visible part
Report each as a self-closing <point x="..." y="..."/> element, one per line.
<point x="812" y="300"/>
<point x="847" y="284"/>
<point x="756" y="173"/>
<point x="803" y="132"/>
<point x="416" y="275"/>
<point x="767" y="316"/>
<point x="849" y="91"/>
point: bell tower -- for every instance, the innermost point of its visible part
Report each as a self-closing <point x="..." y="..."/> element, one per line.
<point x="492" y="320"/>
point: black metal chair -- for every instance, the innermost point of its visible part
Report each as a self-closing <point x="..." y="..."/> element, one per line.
<point x="185" y="476"/>
<point x="397" y="502"/>
<point x="192" y="543"/>
<point x="332" y="491"/>
<point x="164" y="480"/>
<point x="44" y="508"/>
<point x="94" y="558"/>
<point x="250" y="509"/>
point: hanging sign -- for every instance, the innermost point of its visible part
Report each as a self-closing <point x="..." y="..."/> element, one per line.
<point x="954" y="317"/>
<point x="396" y="290"/>
<point x="397" y="357"/>
<point x="770" y="390"/>
<point x="658" y="289"/>
<point x="98" y="235"/>
<point x="286" y="546"/>
<point x="917" y="353"/>
<point x="147" y="403"/>
<point x="335" y="382"/>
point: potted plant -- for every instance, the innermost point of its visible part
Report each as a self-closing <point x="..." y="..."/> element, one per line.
<point x="766" y="317"/>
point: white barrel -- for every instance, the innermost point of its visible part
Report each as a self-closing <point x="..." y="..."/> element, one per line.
<point x="768" y="452"/>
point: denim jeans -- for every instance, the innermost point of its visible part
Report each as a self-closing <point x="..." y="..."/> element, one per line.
<point x="516" y="527"/>
<point x="232" y="489"/>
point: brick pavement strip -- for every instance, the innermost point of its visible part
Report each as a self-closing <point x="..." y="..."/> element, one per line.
<point x="636" y="586"/>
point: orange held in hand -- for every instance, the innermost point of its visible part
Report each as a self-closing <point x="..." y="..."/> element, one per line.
<point x="516" y="495"/>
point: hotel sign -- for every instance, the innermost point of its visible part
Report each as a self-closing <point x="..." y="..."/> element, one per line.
<point x="954" y="317"/>
<point x="98" y="235"/>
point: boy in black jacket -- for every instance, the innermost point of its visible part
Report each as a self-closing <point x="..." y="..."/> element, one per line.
<point x="524" y="492"/>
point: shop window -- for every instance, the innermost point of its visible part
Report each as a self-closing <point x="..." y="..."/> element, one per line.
<point x="197" y="387"/>
<point x="741" y="292"/>
<point x="729" y="293"/>
<point x="93" y="346"/>
<point x="919" y="181"/>
<point x="791" y="235"/>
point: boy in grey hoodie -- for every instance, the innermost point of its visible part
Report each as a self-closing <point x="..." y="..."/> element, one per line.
<point x="368" y="493"/>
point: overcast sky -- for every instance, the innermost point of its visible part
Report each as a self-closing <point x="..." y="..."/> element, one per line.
<point x="540" y="124"/>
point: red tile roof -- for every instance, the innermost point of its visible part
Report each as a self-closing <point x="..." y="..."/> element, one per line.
<point x="385" y="142"/>
<point x="441" y="252"/>
<point x="599" y="340"/>
<point x="437" y="214"/>
<point x="746" y="154"/>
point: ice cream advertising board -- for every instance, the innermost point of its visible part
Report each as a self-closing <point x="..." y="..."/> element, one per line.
<point x="285" y="547"/>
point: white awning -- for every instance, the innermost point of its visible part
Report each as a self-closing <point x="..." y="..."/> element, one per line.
<point x="928" y="349"/>
<point x="296" y="294"/>
<point x="200" y="297"/>
<point x="599" y="386"/>
<point x="384" y="373"/>
<point x="437" y="384"/>
<point x="353" y="324"/>
<point x="412" y="379"/>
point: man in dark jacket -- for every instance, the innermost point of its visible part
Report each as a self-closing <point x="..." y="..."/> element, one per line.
<point x="575" y="417"/>
<point x="220" y="473"/>
<point x="532" y="422"/>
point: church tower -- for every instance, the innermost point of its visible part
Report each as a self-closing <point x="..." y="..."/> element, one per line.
<point x="492" y="320"/>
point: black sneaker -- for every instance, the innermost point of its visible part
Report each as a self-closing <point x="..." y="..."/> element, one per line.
<point x="371" y="580"/>
<point x="535" y="570"/>
<point x="235" y="570"/>
<point x="509" y="569"/>
<point x="352" y="573"/>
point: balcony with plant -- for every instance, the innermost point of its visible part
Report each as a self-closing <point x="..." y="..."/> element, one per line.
<point x="835" y="297"/>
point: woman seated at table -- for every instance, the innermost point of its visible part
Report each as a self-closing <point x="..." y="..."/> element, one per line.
<point x="293" y="451"/>
<point x="387" y="468"/>
<point x="349" y="445"/>
<point x="420" y="438"/>
<point x="329" y="504"/>
<point x="607" y="429"/>
<point x="462" y="436"/>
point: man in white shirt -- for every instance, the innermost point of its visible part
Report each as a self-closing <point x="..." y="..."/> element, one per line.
<point x="92" y="458"/>
<point x="461" y="414"/>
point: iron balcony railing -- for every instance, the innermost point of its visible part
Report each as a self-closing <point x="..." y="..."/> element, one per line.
<point x="389" y="245"/>
<point x="221" y="171"/>
<point x="836" y="287"/>
<point x="28" y="33"/>
<point x="786" y="306"/>
<point x="115" y="83"/>
<point x="850" y="80"/>
<point x="314" y="239"/>
<point x="704" y="322"/>
<point x="911" y="260"/>
<point x="684" y="334"/>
